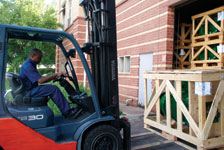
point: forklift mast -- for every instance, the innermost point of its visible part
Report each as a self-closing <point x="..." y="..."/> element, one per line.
<point x="102" y="48"/>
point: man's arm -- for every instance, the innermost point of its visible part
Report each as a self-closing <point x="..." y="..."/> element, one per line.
<point x="48" y="78"/>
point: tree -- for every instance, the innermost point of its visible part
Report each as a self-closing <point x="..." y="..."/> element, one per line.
<point x="28" y="13"/>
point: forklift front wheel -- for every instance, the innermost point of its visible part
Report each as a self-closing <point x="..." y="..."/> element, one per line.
<point x="103" y="137"/>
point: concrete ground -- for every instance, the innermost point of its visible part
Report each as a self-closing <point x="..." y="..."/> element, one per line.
<point x="135" y="116"/>
<point x="143" y="139"/>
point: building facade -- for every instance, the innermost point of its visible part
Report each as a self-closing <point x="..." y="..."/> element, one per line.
<point x="145" y="38"/>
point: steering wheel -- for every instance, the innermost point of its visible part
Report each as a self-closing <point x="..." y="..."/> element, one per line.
<point x="62" y="77"/>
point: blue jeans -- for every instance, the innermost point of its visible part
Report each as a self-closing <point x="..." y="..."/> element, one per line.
<point x="54" y="93"/>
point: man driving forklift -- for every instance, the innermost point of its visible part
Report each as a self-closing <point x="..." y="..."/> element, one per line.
<point x="32" y="78"/>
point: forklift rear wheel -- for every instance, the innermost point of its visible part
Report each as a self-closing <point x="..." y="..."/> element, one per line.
<point x="103" y="137"/>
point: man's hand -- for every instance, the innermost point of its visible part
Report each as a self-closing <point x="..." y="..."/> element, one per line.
<point x="49" y="78"/>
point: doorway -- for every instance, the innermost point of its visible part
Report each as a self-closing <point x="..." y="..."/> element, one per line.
<point x="146" y="63"/>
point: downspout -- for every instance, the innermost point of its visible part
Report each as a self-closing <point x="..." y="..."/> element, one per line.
<point x="87" y="40"/>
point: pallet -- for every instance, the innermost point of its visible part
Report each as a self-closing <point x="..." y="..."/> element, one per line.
<point x="183" y="43"/>
<point x="201" y="129"/>
<point x="206" y="43"/>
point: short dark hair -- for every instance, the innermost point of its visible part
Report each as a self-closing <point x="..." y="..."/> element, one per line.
<point x="35" y="52"/>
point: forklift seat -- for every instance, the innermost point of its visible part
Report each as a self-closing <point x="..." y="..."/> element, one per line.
<point x="18" y="93"/>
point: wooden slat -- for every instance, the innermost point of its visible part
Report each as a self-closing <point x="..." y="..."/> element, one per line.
<point x="181" y="105"/>
<point x="198" y="52"/>
<point x="179" y="113"/>
<point x="158" y="102"/>
<point x="208" y="12"/>
<point x="187" y="54"/>
<point x="193" y="104"/>
<point x="188" y="32"/>
<point x="172" y="131"/>
<point x="178" y="57"/>
<point x="146" y="90"/>
<point x="199" y="26"/>
<point x="214" y="143"/>
<point x="222" y="117"/>
<point x="214" y="23"/>
<point x="202" y="111"/>
<point x="213" y="110"/>
<point x="206" y="25"/>
<point x="155" y="98"/>
<point x="186" y="75"/>
<point x="212" y="51"/>
<point x="152" y="95"/>
<point x="205" y="61"/>
<point x="168" y="108"/>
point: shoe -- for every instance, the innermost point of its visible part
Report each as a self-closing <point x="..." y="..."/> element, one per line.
<point x="73" y="113"/>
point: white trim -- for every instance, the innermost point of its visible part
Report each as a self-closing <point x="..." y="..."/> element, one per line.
<point x="128" y="86"/>
<point x="146" y="32"/>
<point x="124" y="76"/>
<point x="162" y="65"/>
<point x="143" y="9"/>
<point x="147" y="20"/>
<point x="161" y="53"/>
<point x="141" y="12"/>
<point x="146" y="43"/>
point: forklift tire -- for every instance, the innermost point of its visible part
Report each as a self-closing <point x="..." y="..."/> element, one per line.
<point x="103" y="137"/>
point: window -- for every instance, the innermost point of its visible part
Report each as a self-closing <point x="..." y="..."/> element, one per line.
<point x="63" y="15"/>
<point x="124" y="64"/>
<point x="69" y="12"/>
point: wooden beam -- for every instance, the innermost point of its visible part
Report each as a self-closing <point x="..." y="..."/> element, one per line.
<point x="175" y="132"/>
<point x="213" y="110"/>
<point x="201" y="111"/>
<point x="199" y="25"/>
<point x="214" y="23"/>
<point x="198" y="52"/>
<point x="155" y="98"/>
<point x="193" y="104"/>
<point x="145" y="91"/>
<point x="158" y="102"/>
<point x="181" y="105"/>
<point x="168" y="108"/>
<point x="179" y="113"/>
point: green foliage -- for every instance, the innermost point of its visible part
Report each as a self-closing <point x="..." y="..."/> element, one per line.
<point x="28" y="13"/>
<point x="54" y="107"/>
<point x="84" y="89"/>
<point x="46" y="71"/>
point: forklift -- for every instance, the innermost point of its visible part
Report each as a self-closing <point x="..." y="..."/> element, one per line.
<point x="28" y="123"/>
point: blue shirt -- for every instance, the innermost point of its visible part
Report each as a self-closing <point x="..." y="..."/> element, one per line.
<point x="29" y="74"/>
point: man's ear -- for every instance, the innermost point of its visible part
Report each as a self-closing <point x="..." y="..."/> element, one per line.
<point x="31" y="57"/>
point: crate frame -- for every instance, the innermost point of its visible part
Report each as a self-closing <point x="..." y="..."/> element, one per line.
<point x="183" y="43"/>
<point x="200" y="126"/>
<point x="201" y="43"/>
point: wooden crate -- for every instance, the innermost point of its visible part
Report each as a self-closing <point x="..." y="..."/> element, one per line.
<point x="204" y="53"/>
<point x="201" y="130"/>
<point x="182" y="42"/>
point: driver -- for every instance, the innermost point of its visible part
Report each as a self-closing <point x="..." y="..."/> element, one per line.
<point x="31" y="78"/>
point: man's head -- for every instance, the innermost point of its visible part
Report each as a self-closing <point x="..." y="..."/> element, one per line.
<point x="36" y="55"/>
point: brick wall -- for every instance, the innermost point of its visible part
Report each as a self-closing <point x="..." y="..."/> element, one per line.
<point x="145" y="26"/>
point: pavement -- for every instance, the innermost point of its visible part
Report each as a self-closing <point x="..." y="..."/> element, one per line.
<point x="143" y="139"/>
<point x="132" y="112"/>
<point x="135" y="116"/>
